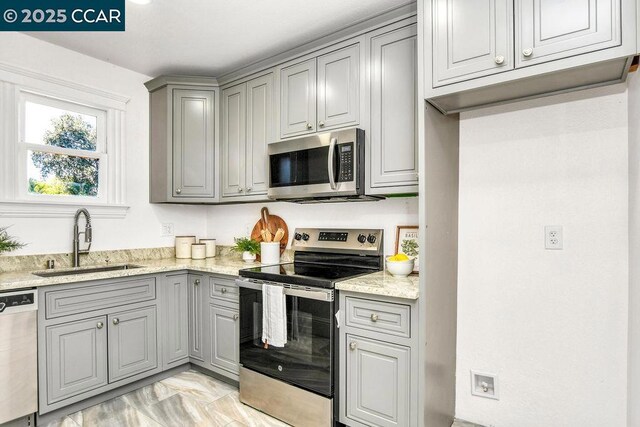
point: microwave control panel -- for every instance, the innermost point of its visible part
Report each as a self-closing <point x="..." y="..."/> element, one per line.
<point x="346" y="162"/>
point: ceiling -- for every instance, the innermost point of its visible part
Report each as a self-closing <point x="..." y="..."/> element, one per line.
<point x="212" y="37"/>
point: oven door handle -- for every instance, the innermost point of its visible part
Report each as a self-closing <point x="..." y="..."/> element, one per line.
<point x="316" y="294"/>
<point x="332" y="172"/>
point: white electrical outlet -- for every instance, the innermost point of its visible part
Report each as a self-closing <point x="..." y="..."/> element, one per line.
<point x="553" y="237"/>
<point x="484" y="385"/>
<point x="167" y="229"/>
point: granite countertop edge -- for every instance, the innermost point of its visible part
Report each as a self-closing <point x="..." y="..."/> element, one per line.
<point x="384" y="284"/>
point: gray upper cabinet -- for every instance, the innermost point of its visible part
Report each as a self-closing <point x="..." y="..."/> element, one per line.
<point x="338" y="91"/>
<point x="247" y="128"/>
<point x="393" y="132"/>
<point x="196" y="288"/>
<point x="298" y="99"/>
<point x="225" y="337"/>
<point x="76" y="358"/>
<point x="378" y="386"/>
<point x="548" y="30"/>
<point x="183" y="154"/>
<point x="471" y="40"/>
<point x="176" y="320"/>
<point x="133" y="346"/>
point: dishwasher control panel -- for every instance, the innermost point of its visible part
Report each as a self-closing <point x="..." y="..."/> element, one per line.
<point x="13" y="300"/>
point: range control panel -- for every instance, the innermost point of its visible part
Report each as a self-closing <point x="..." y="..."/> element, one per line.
<point x="354" y="241"/>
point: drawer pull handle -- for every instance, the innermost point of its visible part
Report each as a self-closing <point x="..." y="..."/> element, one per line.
<point x="223" y="290"/>
<point x="352" y="345"/>
<point x="235" y="317"/>
<point x="374" y="317"/>
<point x="116" y="321"/>
<point x="99" y="325"/>
<point x="196" y="282"/>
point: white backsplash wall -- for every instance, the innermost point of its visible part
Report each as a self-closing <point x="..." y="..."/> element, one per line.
<point x="552" y="324"/>
<point x="228" y="221"/>
<point x="142" y="225"/>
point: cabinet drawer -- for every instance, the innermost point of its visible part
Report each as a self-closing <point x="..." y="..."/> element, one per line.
<point x="388" y="318"/>
<point x="89" y="298"/>
<point x="224" y="289"/>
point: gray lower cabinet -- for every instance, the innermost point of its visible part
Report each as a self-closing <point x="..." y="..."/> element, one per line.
<point x="225" y="335"/>
<point x="175" y="325"/>
<point x="76" y="358"/>
<point x="196" y="288"/>
<point x="393" y="136"/>
<point x="133" y="346"/>
<point x="378" y="386"/>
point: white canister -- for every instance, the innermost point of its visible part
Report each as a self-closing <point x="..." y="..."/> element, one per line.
<point x="270" y="252"/>
<point x="198" y="251"/>
<point x="211" y="247"/>
<point x="183" y="246"/>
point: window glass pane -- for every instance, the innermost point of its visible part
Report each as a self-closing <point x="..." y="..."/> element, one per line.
<point x="50" y="173"/>
<point x="57" y="127"/>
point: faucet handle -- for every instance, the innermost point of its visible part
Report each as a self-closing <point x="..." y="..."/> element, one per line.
<point x="107" y="260"/>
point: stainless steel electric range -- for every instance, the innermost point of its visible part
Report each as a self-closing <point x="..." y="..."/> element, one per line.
<point x="297" y="383"/>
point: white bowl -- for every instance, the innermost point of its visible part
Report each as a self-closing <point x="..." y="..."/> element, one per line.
<point x="400" y="268"/>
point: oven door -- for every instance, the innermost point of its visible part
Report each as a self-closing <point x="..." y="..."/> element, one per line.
<point x="324" y="165"/>
<point x="307" y="359"/>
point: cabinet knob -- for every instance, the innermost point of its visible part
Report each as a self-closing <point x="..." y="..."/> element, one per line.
<point x="527" y="52"/>
<point x="321" y="123"/>
<point x="99" y="325"/>
<point x="239" y="189"/>
<point x="116" y="321"/>
<point x="248" y="189"/>
<point x="499" y="59"/>
<point x="178" y="191"/>
<point x="223" y="290"/>
<point x="352" y="345"/>
<point x="235" y="317"/>
<point x="374" y="317"/>
<point x="196" y="282"/>
<point x="309" y="126"/>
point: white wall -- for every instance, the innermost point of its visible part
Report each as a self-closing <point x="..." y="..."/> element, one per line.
<point x="141" y="226"/>
<point x="229" y="221"/>
<point x="552" y="324"/>
<point x="634" y="251"/>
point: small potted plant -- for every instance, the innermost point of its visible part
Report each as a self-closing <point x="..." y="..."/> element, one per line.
<point x="248" y="247"/>
<point x="8" y="243"/>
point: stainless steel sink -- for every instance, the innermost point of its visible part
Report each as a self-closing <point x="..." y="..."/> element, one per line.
<point x="85" y="270"/>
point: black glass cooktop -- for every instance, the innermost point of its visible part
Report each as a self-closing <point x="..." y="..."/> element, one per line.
<point x="305" y="274"/>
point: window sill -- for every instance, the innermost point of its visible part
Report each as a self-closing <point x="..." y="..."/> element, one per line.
<point x="39" y="209"/>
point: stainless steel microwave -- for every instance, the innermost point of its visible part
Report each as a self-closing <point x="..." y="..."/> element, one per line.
<point x="319" y="168"/>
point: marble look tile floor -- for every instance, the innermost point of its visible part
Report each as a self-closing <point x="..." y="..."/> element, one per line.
<point x="187" y="399"/>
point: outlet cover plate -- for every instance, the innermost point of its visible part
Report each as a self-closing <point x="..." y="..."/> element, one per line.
<point x="484" y="385"/>
<point x="167" y="229"/>
<point x="553" y="237"/>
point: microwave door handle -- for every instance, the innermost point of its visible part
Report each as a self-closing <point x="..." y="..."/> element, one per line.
<point x="332" y="173"/>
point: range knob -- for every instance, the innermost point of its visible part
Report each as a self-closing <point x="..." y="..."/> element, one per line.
<point x="305" y="236"/>
<point x="362" y="238"/>
<point x="297" y="236"/>
<point x="372" y="238"/>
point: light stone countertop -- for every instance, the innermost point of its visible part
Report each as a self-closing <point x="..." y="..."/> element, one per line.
<point x="383" y="283"/>
<point x="225" y="265"/>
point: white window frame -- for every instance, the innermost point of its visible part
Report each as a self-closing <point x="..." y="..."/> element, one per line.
<point x="17" y="86"/>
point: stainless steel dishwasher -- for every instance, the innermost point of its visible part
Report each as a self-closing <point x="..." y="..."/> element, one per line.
<point x="18" y="356"/>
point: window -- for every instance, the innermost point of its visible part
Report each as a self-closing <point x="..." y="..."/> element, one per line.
<point x="63" y="146"/>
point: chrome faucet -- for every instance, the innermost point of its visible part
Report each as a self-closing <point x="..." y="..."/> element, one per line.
<point x="76" y="236"/>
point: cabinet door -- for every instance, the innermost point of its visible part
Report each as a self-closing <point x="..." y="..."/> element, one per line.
<point x="471" y="40"/>
<point x="339" y="88"/>
<point x="394" y="133"/>
<point x="133" y="346"/>
<point x="76" y="358"/>
<point x="377" y="382"/>
<point x="259" y="132"/>
<point x="233" y="139"/>
<point x="225" y="338"/>
<point x="196" y="319"/>
<point x="176" y="320"/>
<point x="298" y="99"/>
<point x="193" y="143"/>
<point x="552" y="29"/>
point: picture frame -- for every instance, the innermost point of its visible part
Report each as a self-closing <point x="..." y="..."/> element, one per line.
<point x="407" y="243"/>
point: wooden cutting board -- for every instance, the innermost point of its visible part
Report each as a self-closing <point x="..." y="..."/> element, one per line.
<point x="273" y="222"/>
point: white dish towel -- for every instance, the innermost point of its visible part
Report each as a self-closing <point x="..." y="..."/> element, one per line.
<point x="274" y="315"/>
